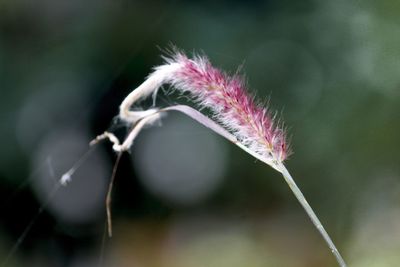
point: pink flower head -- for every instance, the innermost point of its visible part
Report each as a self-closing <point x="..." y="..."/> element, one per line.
<point x="226" y="97"/>
<point x="230" y="103"/>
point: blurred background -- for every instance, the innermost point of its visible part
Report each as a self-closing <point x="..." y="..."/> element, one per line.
<point x="185" y="197"/>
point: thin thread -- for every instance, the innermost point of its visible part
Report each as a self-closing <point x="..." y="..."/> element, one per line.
<point x="66" y="177"/>
<point x="23" y="184"/>
<point x="30" y="225"/>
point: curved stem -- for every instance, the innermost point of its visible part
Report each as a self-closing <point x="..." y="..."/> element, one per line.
<point x="300" y="197"/>
<point x="150" y="86"/>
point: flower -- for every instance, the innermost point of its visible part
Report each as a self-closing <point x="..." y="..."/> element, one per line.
<point x="237" y="117"/>
<point x="225" y="96"/>
<point x="230" y="103"/>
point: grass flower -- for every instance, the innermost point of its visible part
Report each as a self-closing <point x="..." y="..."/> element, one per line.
<point x="226" y="97"/>
<point x="236" y="116"/>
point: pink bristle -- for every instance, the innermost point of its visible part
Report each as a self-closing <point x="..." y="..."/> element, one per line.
<point x="230" y="104"/>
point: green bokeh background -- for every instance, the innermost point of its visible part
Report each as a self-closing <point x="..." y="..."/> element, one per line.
<point x="331" y="68"/>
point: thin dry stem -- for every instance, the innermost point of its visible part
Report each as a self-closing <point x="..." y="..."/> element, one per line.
<point x="109" y="193"/>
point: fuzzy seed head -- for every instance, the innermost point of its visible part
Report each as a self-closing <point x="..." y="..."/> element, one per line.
<point x="232" y="106"/>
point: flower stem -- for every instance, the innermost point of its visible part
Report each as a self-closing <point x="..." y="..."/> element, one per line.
<point x="300" y="197"/>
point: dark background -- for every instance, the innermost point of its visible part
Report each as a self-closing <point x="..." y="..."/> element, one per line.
<point x="184" y="196"/>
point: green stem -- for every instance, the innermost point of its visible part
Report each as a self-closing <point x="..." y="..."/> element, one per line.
<point x="300" y="197"/>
